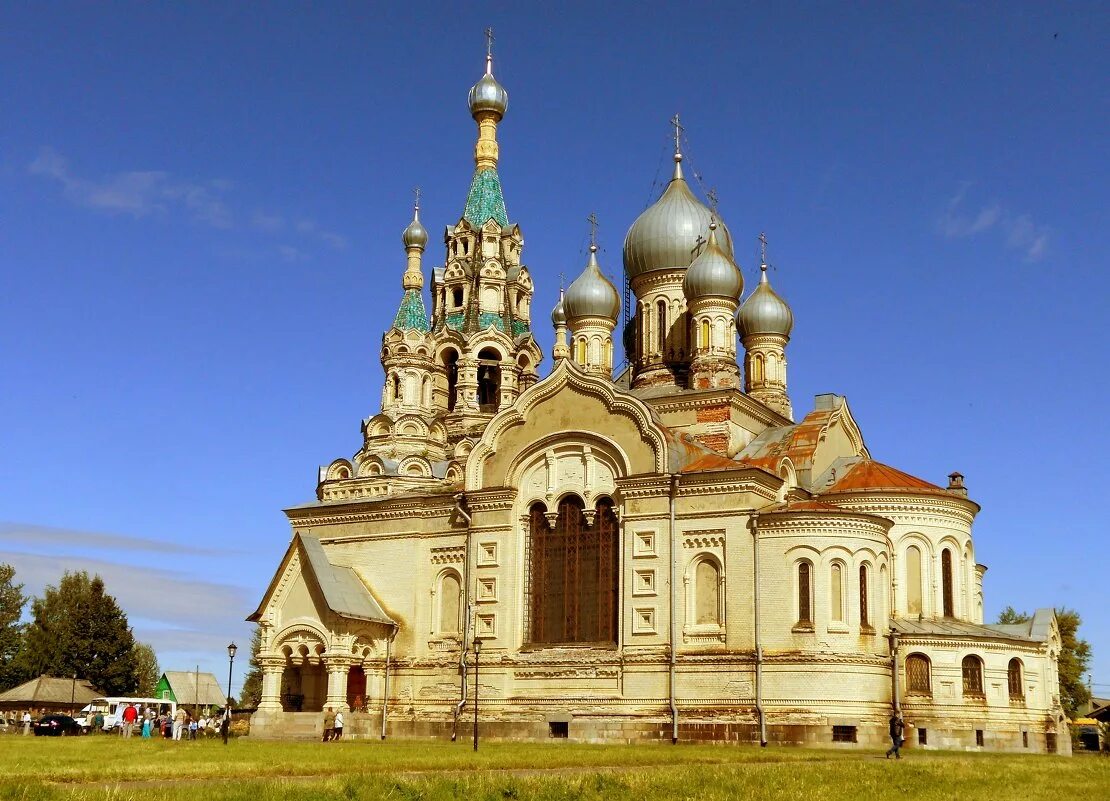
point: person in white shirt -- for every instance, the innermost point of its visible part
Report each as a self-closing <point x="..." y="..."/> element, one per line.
<point x="27" y="723"/>
<point x="337" y="732"/>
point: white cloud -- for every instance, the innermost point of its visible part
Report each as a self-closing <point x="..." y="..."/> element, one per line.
<point x="52" y="537"/>
<point x="1020" y="232"/>
<point x="292" y="254"/>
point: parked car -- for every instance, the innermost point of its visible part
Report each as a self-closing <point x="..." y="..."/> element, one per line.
<point x="9" y="725"/>
<point x="56" y="726"/>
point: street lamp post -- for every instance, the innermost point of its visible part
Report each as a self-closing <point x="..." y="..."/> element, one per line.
<point x="231" y="649"/>
<point x="477" y="651"/>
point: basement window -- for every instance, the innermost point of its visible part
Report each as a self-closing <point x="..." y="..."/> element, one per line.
<point x="922" y="736"/>
<point x="1025" y="739"/>
<point x="979" y="737"/>
<point x="844" y="734"/>
<point x="560" y="729"/>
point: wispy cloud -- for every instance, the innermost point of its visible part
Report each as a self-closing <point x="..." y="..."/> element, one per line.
<point x="156" y="193"/>
<point x="52" y="537"/>
<point x="1020" y="232"/>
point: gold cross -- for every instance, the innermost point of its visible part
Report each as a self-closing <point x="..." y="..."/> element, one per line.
<point x="762" y="247"/>
<point x="678" y="129"/>
<point x="592" y="220"/>
<point x="416" y="194"/>
<point x="489" y="42"/>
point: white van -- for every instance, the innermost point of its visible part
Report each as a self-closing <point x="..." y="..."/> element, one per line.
<point x="112" y="710"/>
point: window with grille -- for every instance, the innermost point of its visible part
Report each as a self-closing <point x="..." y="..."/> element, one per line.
<point x="946" y="582"/>
<point x="844" y="734"/>
<point x="1013" y="680"/>
<point x="973" y="676"/>
<point x="661" y="324"/>
<point x="572" y="575"/>
<point x="979" y="737"/>
<point x="1050" y="742"/>
<point x="1025" y="739"/>
<point x="864" y="611"/>
<point x="805" y="595"/>
<point x="922" y="736"/>
<point x="917" y="674"/>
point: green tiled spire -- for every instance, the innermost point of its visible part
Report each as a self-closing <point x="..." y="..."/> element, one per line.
<point x="411" y="316"/>
<point x="485" y="199"/>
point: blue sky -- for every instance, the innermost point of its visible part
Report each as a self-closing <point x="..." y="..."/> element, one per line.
<point x="200" y="210"/>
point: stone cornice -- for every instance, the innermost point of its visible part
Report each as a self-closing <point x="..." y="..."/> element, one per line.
<point x="700" y="399"/>
<point x="887" y="503"/>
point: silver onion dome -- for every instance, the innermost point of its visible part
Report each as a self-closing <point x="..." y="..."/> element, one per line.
<point x="592" y="294"/>
<point x="415" y="235"/>
<point x="764" y="312"/>
<point x="713" y="274"/>
<point x="670" y="231"/>
<point x="488" y="94"/>
<point x="559" y="314"/>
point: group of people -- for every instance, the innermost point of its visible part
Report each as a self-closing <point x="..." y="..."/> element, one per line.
<point x="181" y="725"/>
<point x="333" y="724"/>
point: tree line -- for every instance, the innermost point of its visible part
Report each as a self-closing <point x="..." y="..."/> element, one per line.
<point x="76" y="629"/>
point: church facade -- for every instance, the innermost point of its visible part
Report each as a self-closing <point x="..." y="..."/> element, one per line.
<point x="664" y="553"/>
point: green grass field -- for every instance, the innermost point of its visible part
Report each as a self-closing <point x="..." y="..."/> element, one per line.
<point x="110" y="768"/>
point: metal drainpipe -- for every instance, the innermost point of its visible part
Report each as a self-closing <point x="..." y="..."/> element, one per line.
<point x="385" y="685"/>
<point x="758" y="645"/>
<point x="894" y="672"/>
<point x="674" y="627"/>
<point x="466" y="619"/>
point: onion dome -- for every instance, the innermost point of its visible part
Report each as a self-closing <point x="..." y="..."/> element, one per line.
<point x="764" y="312"/>
<point x="415" y="236"/>
<point x="713" y="274"/>
<point x="559" y="314"/>
<point x="488" y="94"/>
<point x="592" y="294"/>
<point x="670" y="231"/>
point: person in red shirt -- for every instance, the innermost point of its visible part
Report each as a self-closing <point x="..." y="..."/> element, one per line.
<point x="130" y="715"/>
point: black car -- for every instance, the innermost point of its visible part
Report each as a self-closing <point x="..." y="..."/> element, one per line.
<point x="56" y="726"/>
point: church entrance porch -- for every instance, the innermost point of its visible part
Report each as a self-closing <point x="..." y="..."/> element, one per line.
<point x="304" y="688"/>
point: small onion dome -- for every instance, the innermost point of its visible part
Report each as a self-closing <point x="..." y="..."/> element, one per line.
<point x="415" y="236"/>
<point x="592" y="294"/>
<point x="713" y="274"/>
<point x="488" y="94"/>
<point x="670" y="231"/>
<point x="764" y="312"/>
<point x="559" y="314"/>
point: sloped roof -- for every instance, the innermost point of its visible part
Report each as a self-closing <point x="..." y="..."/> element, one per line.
<point x="49" y="690"/>
<point x="867" y="474"/>
<point x="184" y="685"/>
<point x="947" y="627"/>
<point x="485" y="199"/>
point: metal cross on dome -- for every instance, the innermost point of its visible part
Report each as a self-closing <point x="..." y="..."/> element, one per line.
<point x="592" y="220"/>
<point x="678" y="129"/>
<point x="711" y="195"/>
<point x="416" y="195"/>
<point x="489" y="42"/>
<point x="762" y="248"/>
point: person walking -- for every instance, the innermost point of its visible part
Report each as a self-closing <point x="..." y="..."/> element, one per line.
<point x="26" y="722"/>
<point x="329" y="723"/>
<point x="178" y="723"/>
<point x="897" y="728"/>
<point x="337" y="731"/>
<point x="130" y="715"/>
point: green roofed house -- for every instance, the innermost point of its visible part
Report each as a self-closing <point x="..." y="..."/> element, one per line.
<point x="188" y="688"/>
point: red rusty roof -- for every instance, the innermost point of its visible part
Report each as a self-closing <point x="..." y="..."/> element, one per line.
<point x="711" y="461"/>
<point x="799" y="442"/>
<point x="868" y="474"/>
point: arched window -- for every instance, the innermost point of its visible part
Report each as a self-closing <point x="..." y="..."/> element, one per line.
<point x="489" y="380"/>
<point x="572" y="575"/>
<point x="661" y="325"/>
<point x="973" y="676"/>
<point x="757" y="368"/>
<point x="707" y="593"/>
<point x="864" y="599"/>
<point x="805" y="594"/>
<point x="913" y="580"/>
<point x="704" y="334"/>
<point x="882" y="599"/>
<point x="836" y="593"/>
<point x="450" y="605"/>
<point x="946" y="583"/>
<point x="609" y="352"/>
<point x="1013" y="680"/>
<point x="917" y="675"/>
<point x="581" y="354"/>
<point x="426" y="392"/>
<point x="397" y="395"/>
<point x="451" y="367"/>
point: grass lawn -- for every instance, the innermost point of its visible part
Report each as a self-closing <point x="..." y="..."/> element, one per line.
<point x="110" y="768"/>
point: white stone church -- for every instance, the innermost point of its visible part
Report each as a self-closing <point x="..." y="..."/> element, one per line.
<point x="658" y="553"/>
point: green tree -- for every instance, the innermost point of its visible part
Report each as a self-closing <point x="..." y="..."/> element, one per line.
<point x="12" y="601"/>
<point x="251" y="696"/>
<point x="146" y="668"/>
<point x="1075" y="655"/>
<point x="78" y="629"/>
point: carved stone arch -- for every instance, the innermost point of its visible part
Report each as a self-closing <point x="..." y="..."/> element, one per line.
<point x="437" y="432"/>
<point x="454" y="474"/>
<point x="705" y="605"/>
<point x="369" y="465"/>
<point x="410" y="426"/>
<point x="339" y="470"/>
<point x="415" y="466"/>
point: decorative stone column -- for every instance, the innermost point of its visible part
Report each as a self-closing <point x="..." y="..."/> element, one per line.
<point x="337" y="683"/>
<point x="272" y="670"/>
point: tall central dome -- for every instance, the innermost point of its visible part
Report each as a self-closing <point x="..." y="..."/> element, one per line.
<point x="672" y="231"/>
